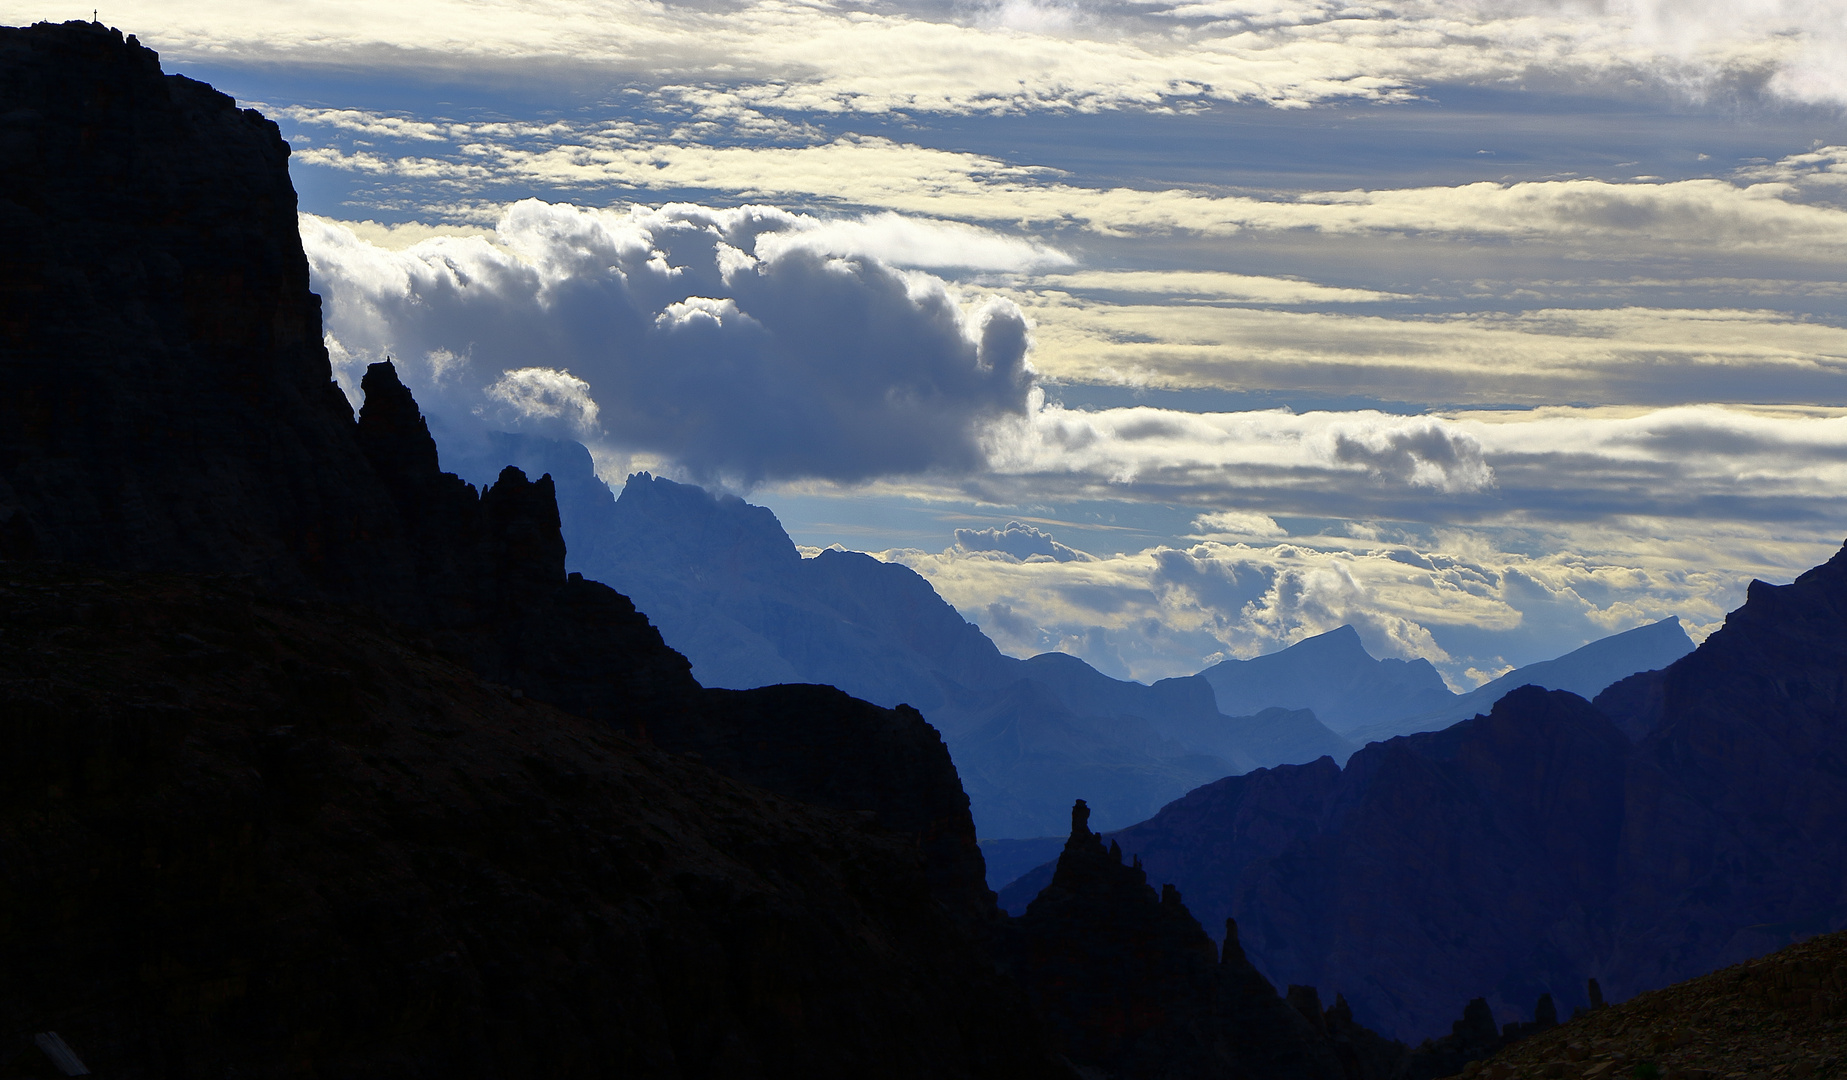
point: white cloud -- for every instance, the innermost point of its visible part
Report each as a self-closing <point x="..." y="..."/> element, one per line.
<point x="678" y="341"/>
<point x="1019" y="542"/>
<point x="914" y="242"/>
<point x="1237" y="524"/>
<point x="1624" y="219"/>
<point x="1210" y="452"/>
<point x="535" y="393"/>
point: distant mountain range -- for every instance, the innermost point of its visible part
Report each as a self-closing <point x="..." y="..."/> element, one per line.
<point x="727" y="588"/>
<point x="1366" y="700"/>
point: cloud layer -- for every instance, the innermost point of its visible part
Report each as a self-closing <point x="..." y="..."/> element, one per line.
<point x="1461" y="599"/>
<point x="1031" y="54"/>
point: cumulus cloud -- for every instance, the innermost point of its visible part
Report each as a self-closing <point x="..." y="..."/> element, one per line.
<point x="674" y="331"/>
<point x="1018" y="541"/>
<point x="534" y="393"/>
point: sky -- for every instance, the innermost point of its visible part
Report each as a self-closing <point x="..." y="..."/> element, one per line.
<point x="1153" y="331"/>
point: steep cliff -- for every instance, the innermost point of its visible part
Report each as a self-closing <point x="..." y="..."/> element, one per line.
<point x="167" y="405"/>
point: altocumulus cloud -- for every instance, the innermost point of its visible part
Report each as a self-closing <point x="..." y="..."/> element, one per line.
<point x="748" y="343"/>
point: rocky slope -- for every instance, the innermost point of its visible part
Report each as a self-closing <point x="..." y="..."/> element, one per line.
<point x="171" y="407"/>
<point x="1782" y="1015"/>
<point x="1521" y="852"/>
<point x="1134" y="985"/>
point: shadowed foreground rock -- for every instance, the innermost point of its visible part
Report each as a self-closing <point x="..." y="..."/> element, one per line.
<point x="1134" y="986"/>
<point x="260" y="837"/>
<point x="285" y="826"/>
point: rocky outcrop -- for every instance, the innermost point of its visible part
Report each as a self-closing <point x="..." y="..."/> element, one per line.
<point x="728" y="587"/>
<point x="167" y="401"/>
<point x="1134" y="986"/>
<point x="171" y="407"/>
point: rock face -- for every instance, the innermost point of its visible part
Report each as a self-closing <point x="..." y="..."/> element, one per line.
<point x="1519" y="853"/>
<point x="151" y="239"/>
<point x="166" y="405"/>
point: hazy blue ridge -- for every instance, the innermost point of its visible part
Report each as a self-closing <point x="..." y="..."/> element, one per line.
<point x="726" y="587"/>
<point x="1586" y="672"/>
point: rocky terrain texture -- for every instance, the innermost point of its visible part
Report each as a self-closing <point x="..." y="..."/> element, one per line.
<point x="1687" y="820"/>
<point x="255" y="836"/>
<point x="168" y="407"/>
<point x="1782" y="1015"/>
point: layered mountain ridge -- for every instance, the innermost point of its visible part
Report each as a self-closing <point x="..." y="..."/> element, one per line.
<point x="1682" y="821"/>
<point x="728" y="588"/>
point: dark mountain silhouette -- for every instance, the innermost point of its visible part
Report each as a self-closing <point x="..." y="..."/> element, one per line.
<point x="1517" y="853"/>
<point x="1367" y="700"/>
<point x="1131" y="983"/>
<point x="1586" y="671"/>
<point x="727" y="587"/>
<point x="244" y="821"/>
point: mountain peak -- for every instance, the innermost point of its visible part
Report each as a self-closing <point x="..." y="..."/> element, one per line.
<point x="663" y="519"/>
